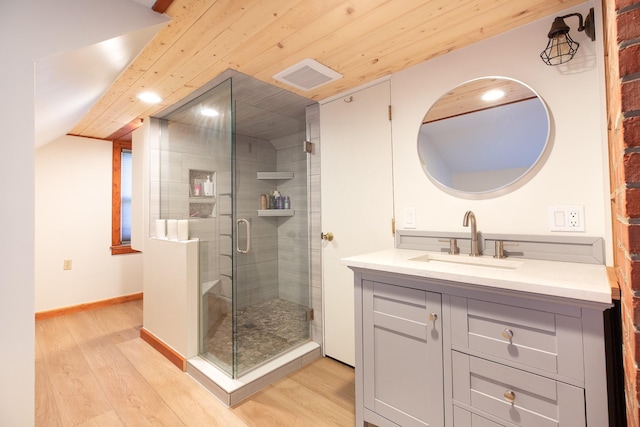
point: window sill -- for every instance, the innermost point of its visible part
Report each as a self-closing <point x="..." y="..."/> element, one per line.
<point x="123" y="249"/>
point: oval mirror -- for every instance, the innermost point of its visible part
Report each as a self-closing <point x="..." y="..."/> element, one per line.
<point x="479" y="148"/>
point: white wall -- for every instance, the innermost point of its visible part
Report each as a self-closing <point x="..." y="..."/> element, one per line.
<point x="16" y="216"/>
<point x="29" y="31"/>
<point x="73" y="221"/>
<point x="574" y="174"/>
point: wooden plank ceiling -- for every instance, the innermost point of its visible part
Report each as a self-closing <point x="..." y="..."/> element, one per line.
<point x="361" y="39"/>
<point x="467" y="98"/>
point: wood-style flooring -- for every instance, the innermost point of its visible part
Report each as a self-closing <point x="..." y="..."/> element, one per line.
<point x="92" y="369"/>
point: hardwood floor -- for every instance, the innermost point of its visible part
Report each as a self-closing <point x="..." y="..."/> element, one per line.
<point x="92" y="369"/>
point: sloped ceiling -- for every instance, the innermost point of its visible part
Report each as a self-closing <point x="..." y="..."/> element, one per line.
<point x="361" y="39"/>
<point x="68" y="83"/>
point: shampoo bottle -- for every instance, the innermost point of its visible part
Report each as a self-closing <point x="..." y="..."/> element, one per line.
<point x="208" y="186"/>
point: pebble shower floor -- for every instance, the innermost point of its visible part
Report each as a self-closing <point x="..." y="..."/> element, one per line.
<point x="265" y="331"/>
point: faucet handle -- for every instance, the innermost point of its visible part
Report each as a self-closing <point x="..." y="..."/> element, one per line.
<point x="453" y="245"/>
<point x="499" y="248"/>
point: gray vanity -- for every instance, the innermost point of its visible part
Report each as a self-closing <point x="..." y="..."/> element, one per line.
<point x="460" y="341"/>
<point x="476" y="329"/>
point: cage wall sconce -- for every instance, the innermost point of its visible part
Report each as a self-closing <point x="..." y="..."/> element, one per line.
<point x="561" y="47"/>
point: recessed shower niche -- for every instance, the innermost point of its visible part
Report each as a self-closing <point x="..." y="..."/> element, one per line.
<point x="254" y="293"/>
<point x="202" y="193"/>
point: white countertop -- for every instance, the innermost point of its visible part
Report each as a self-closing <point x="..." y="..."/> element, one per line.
<point x="586" y="282"/>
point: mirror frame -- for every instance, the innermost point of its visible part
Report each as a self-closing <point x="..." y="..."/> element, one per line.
<point x="508" y="187"/>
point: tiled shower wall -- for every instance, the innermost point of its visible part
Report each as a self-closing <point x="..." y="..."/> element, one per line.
<point x="258" y="270"/>
<point x="278" y="263"/>
<point x="293" y="232"/>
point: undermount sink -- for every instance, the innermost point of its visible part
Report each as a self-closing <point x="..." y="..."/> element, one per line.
<point x="481" y="261"/>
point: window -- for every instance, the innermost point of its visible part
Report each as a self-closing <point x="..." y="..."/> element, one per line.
<point x="121" y="199"/>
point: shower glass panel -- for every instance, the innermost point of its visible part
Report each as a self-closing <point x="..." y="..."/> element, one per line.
<point x="221" y="153"/>
<point x="271" y="298"/>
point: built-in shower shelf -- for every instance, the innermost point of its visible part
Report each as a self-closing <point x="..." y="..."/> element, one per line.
<point x="202" y="199"/>
<point x="275" y="175"/>
<point x="276" y="212"/>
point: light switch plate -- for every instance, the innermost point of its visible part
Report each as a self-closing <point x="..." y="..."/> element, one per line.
<point x="409" y="218"/>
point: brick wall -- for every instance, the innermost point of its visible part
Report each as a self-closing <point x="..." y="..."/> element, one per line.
<point x="622" y="51"/>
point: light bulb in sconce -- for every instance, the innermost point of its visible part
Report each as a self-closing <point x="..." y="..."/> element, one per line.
<point x="561" y="49"/>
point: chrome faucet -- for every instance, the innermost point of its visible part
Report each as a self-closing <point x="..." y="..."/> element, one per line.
<point x="474" y="232"/>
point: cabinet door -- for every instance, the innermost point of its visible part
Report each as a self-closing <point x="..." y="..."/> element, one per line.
<point x="402" y="348"/>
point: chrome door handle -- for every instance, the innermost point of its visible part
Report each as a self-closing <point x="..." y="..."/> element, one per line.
<point x="246" y="251"/>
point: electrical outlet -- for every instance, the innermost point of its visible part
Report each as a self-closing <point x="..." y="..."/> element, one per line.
<point x="573" y="218"/>
<point x="566" y="218"/>
<point x="67" y="264"/>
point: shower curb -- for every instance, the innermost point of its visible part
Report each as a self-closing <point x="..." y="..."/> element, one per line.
<point x="233" y="391"/>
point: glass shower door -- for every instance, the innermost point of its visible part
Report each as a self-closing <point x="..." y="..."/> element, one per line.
<point x="271" y="261"/>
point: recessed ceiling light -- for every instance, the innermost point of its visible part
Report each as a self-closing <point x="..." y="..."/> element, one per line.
<point x="149" y="97"/>
<point x="492" y="95"/>
<point x="209" y="112"/>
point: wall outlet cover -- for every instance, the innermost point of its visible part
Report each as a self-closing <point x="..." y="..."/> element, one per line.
<point x="566" y="218"/>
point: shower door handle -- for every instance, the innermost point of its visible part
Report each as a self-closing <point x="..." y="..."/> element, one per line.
<point x="246" y="251"/>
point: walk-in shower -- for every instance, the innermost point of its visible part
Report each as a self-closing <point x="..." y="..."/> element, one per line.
<point x="231" y="161"/>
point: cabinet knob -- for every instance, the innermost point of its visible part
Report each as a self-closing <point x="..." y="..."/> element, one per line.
<point x="433" y="317"/>
<point x="507" y="334"/>
<point x="327" y="236"/>
<point x="509" y="396"/>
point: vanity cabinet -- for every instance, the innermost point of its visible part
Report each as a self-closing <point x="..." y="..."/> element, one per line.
<point x="433" y="352"/>
<point x="402" y="354"/>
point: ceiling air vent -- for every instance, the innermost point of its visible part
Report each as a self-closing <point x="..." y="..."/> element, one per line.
<point x="307" y="74"/>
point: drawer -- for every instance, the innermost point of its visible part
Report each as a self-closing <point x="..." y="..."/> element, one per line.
<point x="549" y="342"/>
<point x="515" y="396"/>
<point x="464" y="418"/>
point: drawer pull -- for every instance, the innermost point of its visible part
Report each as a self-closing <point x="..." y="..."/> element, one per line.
<point x="509" y="396"/>
<point x="433" y="317"/>
<point x="507" y="334"/>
